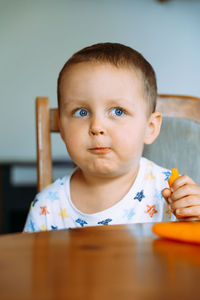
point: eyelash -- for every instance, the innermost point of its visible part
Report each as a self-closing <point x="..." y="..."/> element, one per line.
<point x="119" y="109"/>
<point x="79" y="110"/>
<point x="76" y="111"/>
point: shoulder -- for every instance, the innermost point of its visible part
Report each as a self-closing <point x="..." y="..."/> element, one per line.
<point x="154" y="172"/>
<point x="52" y="193"/>
<point x="55" y="186"/>
<point x="154" y="180"/>
<point x="45" y="204"/>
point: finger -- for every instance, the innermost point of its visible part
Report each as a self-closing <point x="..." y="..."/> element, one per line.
<point x="186" y="202"/>
<point x="184" y="191"/>
<point x="191" y="218"/>
<point x="166" y="193"/>
<point x="193" y="211"/>
<point x="187" y="219"/>
<point x="181" y="181"/>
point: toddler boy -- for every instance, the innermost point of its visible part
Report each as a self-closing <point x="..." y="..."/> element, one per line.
<point x="106" y="99"/>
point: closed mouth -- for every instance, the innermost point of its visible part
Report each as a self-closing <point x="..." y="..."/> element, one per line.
<point x="99" y="150"/>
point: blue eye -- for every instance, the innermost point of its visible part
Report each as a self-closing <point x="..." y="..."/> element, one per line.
<point x="81" y="112"/>
<point x="117" y="112"/>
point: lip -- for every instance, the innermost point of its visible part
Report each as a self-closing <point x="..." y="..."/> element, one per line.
<point x="100" y="150"/>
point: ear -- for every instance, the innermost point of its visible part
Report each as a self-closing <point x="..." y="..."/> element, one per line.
<point x="153" y="128"/>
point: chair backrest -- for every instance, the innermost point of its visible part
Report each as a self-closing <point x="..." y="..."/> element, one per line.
<point x="177" y="145"/>
<point x="179" y="106"/>
<point x="46" y="122"/>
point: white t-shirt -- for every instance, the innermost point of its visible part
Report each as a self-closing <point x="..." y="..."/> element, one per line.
<point x="53" y="208"/>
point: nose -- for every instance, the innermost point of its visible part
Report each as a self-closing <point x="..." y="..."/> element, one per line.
<point x="96" y="131"/>
<point x="96" y="127"/>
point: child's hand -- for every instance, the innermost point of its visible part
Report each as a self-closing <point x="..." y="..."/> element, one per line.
<point x="183" y="198"/>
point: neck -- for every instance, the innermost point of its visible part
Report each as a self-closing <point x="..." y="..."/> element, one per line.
<point x="93" y="181"/>
<point x="91" y="194"/>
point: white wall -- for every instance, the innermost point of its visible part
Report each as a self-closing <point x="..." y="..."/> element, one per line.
<point x="37" y="37"/>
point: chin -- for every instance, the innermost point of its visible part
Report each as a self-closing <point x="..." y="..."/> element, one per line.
<point x="105" y="172"/>
<point x="100" y="170"/>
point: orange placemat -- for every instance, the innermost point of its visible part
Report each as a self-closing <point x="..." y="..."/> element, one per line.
<point x="179" y="231"/>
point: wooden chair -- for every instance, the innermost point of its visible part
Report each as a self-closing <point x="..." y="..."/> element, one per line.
<point x="175" y="109"/>
<point x="46" y="122"/>
<point x="179" y="106"/>
<point x="178" y="144"/>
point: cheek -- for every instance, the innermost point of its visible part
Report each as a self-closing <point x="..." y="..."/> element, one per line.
<point x="129" y="138"/>
<point x="123" y="143"/>
<point x="73" y="145"/>
<point x="73" y="136"/>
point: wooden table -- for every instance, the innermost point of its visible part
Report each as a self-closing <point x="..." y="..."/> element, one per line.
<point x="108" y="262"/>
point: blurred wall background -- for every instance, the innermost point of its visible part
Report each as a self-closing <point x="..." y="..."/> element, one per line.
<point x="37" y="37"/>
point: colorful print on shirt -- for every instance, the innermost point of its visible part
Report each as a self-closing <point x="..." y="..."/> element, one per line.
<point x="52" y="209"/>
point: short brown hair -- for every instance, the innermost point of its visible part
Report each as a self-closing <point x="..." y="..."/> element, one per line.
<point x="120" y="56"/>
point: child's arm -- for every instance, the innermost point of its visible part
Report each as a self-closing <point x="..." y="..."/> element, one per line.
<point x="183" y="198"/>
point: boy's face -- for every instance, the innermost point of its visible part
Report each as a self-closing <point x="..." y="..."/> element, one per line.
<point x="103" y="118"/>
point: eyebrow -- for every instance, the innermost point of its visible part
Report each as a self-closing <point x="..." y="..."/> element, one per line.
<point x="84" y="102"/>
<point x="124" y="102"/>
<point x="72" y="103"/>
